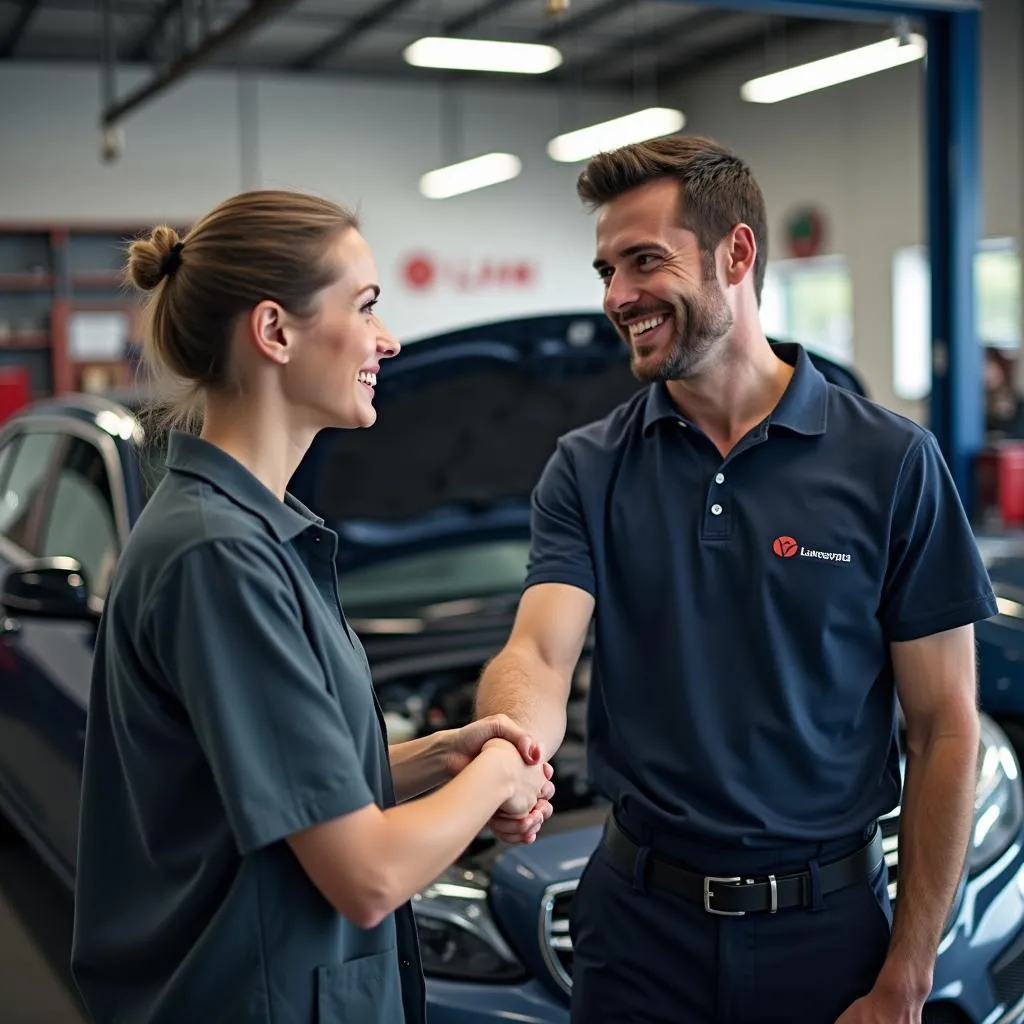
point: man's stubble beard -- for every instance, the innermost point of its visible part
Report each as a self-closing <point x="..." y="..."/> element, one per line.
<point x="700" y="323"/>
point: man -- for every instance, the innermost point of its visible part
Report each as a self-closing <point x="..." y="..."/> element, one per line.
<point x="771" y="561"/>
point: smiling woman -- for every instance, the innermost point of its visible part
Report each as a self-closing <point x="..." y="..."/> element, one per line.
<point x="238" y="780"/>
<point x="311" y="264"/>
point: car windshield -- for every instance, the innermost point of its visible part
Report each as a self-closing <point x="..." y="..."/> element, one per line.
<point x="443" y="574"/>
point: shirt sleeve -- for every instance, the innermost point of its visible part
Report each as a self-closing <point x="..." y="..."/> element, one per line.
<point x="936" y="579"/>
<point x="226" y="631"/>
<point x="560" y="548"/>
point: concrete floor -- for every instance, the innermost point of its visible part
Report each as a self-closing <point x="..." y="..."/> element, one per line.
<point x="35" y="941"/>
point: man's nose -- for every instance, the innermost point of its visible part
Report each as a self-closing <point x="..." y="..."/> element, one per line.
<point x="620" y="294"/>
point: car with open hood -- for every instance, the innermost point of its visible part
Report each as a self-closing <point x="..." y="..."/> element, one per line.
<point x="432" y="509"/>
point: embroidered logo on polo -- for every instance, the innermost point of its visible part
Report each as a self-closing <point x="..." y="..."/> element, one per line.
<point x="788" y="547"/>
<point x="785" y="547"/>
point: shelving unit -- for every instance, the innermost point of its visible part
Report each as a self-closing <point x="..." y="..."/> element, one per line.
<point x="51" y="277"/>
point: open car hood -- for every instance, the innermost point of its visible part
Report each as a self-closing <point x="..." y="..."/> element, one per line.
<point x="466" y="422"/>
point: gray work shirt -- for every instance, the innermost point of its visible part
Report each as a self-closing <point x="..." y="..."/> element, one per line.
<point x="231" y="707"/>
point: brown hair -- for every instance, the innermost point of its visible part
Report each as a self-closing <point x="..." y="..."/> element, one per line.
<point x="252" y="247"/>
<point x="717" y="189"/>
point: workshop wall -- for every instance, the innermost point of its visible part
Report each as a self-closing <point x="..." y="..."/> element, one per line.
<point x="521" y="247"/>
<point x="524" y="246"/>
<point x="856" y="151"/>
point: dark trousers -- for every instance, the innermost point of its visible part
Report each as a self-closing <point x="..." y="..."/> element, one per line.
<point x="644" y="956"/>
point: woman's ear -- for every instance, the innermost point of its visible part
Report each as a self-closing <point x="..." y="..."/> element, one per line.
<point x="268" y="332"/>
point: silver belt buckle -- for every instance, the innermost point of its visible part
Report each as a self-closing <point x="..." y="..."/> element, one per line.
<point x="708" y="879"/>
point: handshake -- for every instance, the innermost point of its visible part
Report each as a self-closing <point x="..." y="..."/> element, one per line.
<point x="520" y="818"/>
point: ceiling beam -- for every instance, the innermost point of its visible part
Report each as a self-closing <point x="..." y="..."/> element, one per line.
<point x="21" y="22"/>
<point x="575" y="22"/>
<point x="456" y="26"/>
<point x="709" y="58"/>
<point x="253" y="17"/>
<point x="616" y="53"/>
<point x="142" y="46"/>
<point x="349" y="34"/>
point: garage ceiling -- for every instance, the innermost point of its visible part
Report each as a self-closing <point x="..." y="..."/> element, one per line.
<point x="605" y="44"/>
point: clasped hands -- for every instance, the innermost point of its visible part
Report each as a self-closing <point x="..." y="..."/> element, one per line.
<point x="519" y="819"/>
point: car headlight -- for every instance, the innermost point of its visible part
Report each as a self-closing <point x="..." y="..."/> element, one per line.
<point x="998" y="802"/>
<point x="458" y="936"/>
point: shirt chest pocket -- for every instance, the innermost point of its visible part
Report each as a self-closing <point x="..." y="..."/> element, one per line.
<point x="364" y="991"/>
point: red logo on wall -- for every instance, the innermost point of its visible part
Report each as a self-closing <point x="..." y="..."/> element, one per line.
<point x="421" y="272"/>
<point x="785" y="547"/>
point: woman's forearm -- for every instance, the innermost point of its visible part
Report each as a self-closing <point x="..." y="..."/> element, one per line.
<point x="420" y="765"/>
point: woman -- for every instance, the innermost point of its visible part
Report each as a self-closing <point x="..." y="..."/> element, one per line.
<point x="245" y="853"/>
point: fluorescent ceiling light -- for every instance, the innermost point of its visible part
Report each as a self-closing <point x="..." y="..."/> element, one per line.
<point x="842" y="67"/>
<point x="583" y="143"/>
<point x="482" y="55"/>
<point x="479" y="172"/>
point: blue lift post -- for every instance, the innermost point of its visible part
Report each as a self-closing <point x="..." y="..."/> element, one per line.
<point x="953" y="178"/>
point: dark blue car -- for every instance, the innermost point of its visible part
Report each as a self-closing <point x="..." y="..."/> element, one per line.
<point x="432" y="508"/>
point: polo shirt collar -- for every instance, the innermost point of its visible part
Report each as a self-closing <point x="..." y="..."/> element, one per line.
<point x="189" y="454"/>
<point x="802" y="408"/>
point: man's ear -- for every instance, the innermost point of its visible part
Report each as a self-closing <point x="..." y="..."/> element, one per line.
<point x="268" y="331"/>
<point x="740" y="254"/>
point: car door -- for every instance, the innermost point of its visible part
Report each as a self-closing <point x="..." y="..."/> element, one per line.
<point x="77" y="519"/>
<point x="27" y="460"/>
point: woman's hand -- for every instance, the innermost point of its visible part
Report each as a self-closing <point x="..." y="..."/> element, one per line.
<point x="530" y="783"/>
<point x="465" y="743"/>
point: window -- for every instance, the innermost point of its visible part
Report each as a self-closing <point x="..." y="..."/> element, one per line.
<point x="23" y="489"/>
<point x="997" y="311"/>
<point x="811" y="302"/>
<point x="81" y="522"/>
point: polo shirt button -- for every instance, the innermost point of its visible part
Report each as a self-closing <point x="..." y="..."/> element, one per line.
<point x="716" y="510"/>
<point x="720" y="478"/>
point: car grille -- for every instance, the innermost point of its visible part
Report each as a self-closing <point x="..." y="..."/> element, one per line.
<point x="1008" y="973"/>
<point x="943" y="1013"/>
<point x="890" y="847"/>
<point x="556" y="943"/>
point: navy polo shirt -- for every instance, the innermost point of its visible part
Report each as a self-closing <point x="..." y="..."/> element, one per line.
<point x="742" y="690"/>
<point x="231" y="706"/>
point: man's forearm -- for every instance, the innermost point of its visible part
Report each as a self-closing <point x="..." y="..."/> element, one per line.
<point x="935" y="823"/>
<point x="529" y="692"/>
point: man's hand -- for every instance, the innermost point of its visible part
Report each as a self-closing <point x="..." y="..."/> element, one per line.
<point x="880" y="1007"/>
<point x="521" y="830"/>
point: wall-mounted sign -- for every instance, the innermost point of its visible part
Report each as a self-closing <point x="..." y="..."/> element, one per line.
<point x="805" y="232"/>
<point x="98" y="335"/>
<point x="424" y="272"/>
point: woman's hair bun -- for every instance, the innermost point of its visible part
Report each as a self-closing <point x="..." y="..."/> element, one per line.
<point x="148" y="257"/>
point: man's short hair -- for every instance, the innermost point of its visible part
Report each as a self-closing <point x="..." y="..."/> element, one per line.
<point x="717" y="189"/>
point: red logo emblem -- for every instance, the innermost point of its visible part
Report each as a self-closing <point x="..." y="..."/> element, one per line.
<point x="419" y="272"/>
<point x="785" y="547"/>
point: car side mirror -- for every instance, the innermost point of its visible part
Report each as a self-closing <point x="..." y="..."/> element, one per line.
<point x="49" y="588"/>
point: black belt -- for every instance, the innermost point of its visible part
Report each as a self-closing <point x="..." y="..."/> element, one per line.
<point x="736" y="896"/>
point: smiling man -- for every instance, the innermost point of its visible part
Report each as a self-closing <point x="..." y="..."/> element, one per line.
<point x="772" y="563"/>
